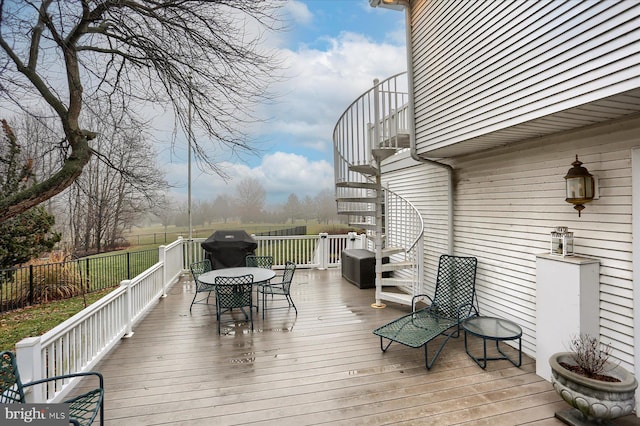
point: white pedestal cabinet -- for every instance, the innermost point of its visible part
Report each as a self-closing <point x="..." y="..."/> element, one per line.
<point x="567" y="304"/>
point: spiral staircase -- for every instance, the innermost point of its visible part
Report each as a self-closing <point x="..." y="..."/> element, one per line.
<point x="373" y="128"/>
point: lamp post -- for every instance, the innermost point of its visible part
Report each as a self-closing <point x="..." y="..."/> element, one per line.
<point x="189" y="133"/>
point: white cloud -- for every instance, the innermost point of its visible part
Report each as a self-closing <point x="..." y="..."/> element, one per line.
<point x="280" y="173"/>
<point x="321" y="84"/>
<point x="298" y="12"/>
<point x="290" y="173"/>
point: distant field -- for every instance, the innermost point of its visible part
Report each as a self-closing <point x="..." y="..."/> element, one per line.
<point x="157" y="234"/>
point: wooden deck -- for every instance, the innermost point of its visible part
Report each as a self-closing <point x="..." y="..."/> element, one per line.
<point x="322" y="367"/>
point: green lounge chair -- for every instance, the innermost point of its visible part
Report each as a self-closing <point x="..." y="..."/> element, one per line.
<point x="454" y="301"/>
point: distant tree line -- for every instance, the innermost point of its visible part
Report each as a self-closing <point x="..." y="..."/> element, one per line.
<point x="249" y="206"/>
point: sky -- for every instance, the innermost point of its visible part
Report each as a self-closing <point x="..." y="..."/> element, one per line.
<point x="333" y="49"/>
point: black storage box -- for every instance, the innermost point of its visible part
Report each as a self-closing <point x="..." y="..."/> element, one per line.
<point x="359" y="267"/>
<point x="228" y="249"/>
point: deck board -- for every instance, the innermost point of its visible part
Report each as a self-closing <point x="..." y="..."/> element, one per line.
<point x="322" y="367"/>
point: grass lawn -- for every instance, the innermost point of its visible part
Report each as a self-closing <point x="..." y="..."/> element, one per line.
<point x="38" y="319"/>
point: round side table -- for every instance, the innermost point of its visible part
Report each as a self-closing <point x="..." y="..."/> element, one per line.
<point x="497" y="329"/>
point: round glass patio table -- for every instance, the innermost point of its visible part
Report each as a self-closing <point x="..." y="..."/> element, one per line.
<point x="260" y="275"/>
<point x="491" y="328"/>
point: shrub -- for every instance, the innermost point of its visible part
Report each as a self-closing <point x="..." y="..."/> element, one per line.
<point x="590" y="354"/>
<point x="54" y="279"/>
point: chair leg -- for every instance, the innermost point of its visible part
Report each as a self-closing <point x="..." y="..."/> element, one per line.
<point x="251" y="316"/>
<point x="384" y="348"/>
<point x="193" y="301"/>
<point x="201" y="301"/>
<point x="218" y="317"/>
<point x="426" y="360"/>
<point x="290" y="300"/>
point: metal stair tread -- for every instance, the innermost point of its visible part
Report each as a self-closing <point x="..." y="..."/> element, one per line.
<point x="394" y="266"/>
<point x="400" y="140"/>
<point x="396" y="282"/>
<point x="371" y="213"/>
<point x="365" y="169"/>
<point x="388" y="251"/>
<point x="381" y="153"/>
<point x="402" y="298"/>
<point x="357" y="199"/>
<point x="371" y="226"/>
<point x="365" y="185"/>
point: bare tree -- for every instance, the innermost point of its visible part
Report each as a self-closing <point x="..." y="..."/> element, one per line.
<point x="308" y="209"/>
<point x="292" y="208"/>
<point x="166" y="209"/>
<point x="203" y="57"/>
<point x="223" y="207"/>
<point x="325" y="207"/>
<point x="120" y="183"/>
<point x="250" y="199"/>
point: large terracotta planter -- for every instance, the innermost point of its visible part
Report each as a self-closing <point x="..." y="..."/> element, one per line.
<point x="595" y="400"/>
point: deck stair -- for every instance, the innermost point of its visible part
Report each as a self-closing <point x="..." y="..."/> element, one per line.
<point x="374" y="128"/>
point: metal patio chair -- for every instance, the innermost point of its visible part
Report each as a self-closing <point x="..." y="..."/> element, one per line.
<point x="234" y="292"/>
<point x="265" y="262"/>
<point x="259" y="261"/>
<point x="454" y="301"/>
<point x="282" y="288"/>
<point x="83" y="409"/>
<point x="197" y="269"/>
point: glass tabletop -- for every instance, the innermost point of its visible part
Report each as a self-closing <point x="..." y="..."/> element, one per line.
<point x="259" y="274"/>
<point x="494" y="328"/>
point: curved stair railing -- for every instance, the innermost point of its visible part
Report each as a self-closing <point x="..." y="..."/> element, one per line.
<point x="374" y="127"/>
<point x="403" y="244"/>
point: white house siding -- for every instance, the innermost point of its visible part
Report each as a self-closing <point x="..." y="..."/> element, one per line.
<point x="509" y="199"/>
<point x="486" y="65"/>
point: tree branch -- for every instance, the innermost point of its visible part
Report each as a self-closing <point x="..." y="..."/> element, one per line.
<point x="184" y="55"/>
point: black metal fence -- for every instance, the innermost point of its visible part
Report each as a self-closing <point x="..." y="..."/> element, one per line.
<point x="296" y="230"/>
<point x="28" y="285"/>
<point x="33" y="284"/>
<point x="169" y="237"/>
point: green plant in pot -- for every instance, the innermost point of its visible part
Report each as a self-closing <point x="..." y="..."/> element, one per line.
<point x="598" y="389"/>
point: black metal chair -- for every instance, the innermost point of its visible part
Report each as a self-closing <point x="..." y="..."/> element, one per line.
<point x="197" y="269"/>
<point x="453" y="302"/>
<point x="259" y="261"/>
<point x="83" y="409"/>
<point x="282" y="288"/>
<point x="234" y="292"/>
<point x="265" y="262"/>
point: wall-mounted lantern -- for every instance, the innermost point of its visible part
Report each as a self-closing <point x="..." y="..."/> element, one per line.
<point x="580" y="186"/>
<point x="561" y="242"/>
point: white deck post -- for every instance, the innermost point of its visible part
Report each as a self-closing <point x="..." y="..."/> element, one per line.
<point x="323" y="250"/>
<point x="128" y="309"/>
<point x="162" y="257"/>
<point x="30" y="362"/>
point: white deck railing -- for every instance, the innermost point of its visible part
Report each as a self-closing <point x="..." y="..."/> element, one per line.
<point x="80" y="342"/>
<point x="306" y="251"/>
